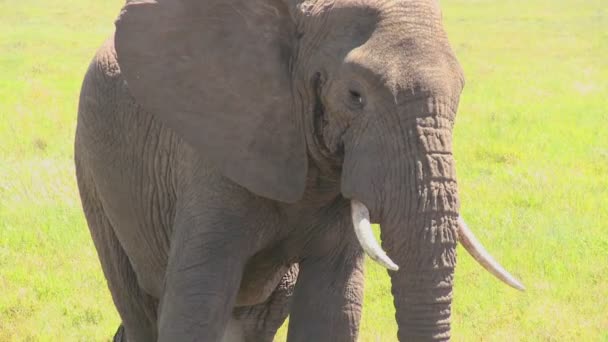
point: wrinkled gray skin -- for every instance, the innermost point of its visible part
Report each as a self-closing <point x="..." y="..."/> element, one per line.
<point x="219" y="142"/>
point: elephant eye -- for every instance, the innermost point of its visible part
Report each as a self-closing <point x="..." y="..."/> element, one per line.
<point x="356" y="99"/>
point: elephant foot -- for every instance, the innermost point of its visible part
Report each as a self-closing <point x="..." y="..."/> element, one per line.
<point x="120" y="335"/>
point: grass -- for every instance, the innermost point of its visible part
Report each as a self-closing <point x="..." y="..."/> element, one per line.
<point x="530" y="142"/>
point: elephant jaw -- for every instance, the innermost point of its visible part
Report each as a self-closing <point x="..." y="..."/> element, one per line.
<point x="365" y="235"/>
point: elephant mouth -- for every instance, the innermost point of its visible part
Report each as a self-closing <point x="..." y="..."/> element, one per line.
<point x="365" y="236"/>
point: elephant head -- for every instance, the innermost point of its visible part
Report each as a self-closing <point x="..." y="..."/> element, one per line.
<point x="364" y="89"/>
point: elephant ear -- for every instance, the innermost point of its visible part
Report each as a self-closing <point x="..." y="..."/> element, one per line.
<point x="217" y="72"/>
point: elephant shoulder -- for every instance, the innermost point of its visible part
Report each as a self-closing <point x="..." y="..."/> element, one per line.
<point x="107" y="112"/>
<point x="105" y="98"/>
<point x="103" y="77"/>
<point x="105" y="60"/>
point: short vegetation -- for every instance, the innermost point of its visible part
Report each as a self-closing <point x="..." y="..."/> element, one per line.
<point x="530" y="141"/>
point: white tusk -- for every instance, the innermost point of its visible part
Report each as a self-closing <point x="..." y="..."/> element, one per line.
<point x="479" y="253"/>
<point x="365" y="235"/>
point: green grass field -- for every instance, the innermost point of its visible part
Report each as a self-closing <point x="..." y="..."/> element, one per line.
<point x="531" y="141"/>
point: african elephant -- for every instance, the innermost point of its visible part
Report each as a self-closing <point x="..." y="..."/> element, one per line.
<point x="222" y="144"/>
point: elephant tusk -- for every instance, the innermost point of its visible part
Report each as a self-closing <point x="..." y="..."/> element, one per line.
<point x="479" y="253"/>
<point x="365" y="235"/>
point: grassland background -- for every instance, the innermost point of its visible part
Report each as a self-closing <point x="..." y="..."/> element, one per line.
<point x="530" y="141"/>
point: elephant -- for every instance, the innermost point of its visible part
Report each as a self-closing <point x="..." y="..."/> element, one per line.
<point x="231" y="156"/>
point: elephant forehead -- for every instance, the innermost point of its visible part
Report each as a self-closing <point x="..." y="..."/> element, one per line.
<point x="407" y="68"/>
<point x="401" y="44"/>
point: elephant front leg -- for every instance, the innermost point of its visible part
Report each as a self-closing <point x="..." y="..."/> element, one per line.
<point x="328" y="298"/>
<point x="203" y="276"/>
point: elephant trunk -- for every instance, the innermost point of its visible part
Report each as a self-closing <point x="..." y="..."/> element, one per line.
<point x="408" y="182"/>
<point x="421" y="237"/>
<point x="405" y="174"/>
<point x="423" y="246"/>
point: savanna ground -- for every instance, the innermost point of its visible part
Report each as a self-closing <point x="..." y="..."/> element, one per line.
<point x="530" y="140"/>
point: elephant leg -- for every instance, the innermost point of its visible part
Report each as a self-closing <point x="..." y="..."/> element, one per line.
<point x="259" y="323"/>
<point x="136" y="308"/>
<point x="234" y="331"/>
<point x="119" y="336"/>
<point x="209" y="250"/>
<point x="328" y="298"/>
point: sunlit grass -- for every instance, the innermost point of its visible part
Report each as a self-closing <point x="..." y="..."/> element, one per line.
<point x="530" y="141"/>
